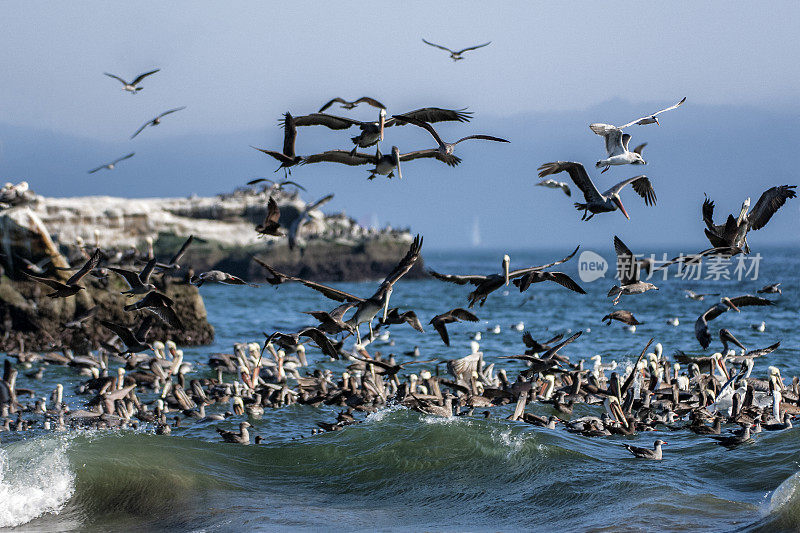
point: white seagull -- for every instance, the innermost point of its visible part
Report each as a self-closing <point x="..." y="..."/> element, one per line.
<point x="111" y="165"/>
<point x="132" y="86"/>
<point x="553" y="184"/>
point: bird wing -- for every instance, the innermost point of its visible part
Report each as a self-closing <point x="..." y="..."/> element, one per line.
<point x="648" y="118"/>
<point x="273" y="212"/>
<point x="482" y="137"/>
<point x="123" y="158"/>
<point x="122" y="332"/>
<point x="319" y="203"/>
<point x="101" y="167"/>
<point x="53" y="284"/>
<point x="433" y="153"/>
<point x="421" y="124"/>
<point x="280" y="156"/>
<point x="290" y="182"/>
<point x="116" y="78"/>
<point x="321" y="340"/>
<point x="613" y="137"/>
<point x="474" y="47"/>
<point x="140" y="129"/>
<point x="340" y="156"/>
<point x="289" y="134"/>
<point x="766" y="206"/>
<point x="132" y="278"/>
<point x="140" y="77"/>
<point x="626" y="138"/>
<point x="639" y="148"/>
<point x="521" y="271"/>
<point x="642" y="186"/>
<point x="404" y="265"/>
<point x="165" y="113"/>
<point x="370" y="101"/>
<point x="708" y="213"/>
<point x="439" y="46"/>
<point x="578" y="175"/>
<point x="440" y="326"/>
<point x="564" y="280"/>
<point x="87" y="267"/>
<point x="331" y="102"/>
<point x="458" y="280"/>
<point x="144" y="275"/>
<point x="167" y="315"/>
<point x="626" y="263"/>
<point x="463" y="314"/>
<point x="554" y="350"/>
<point x="177" y="257"/>
<point x="433" y="114"/>
<point x="260" y="180"/>
<point x="329" y="121"/>
<point x="330" y="292"/>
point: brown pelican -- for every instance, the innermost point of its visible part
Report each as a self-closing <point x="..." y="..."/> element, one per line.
<point x="629" y="270"/>
<point x="372" y="132"/>
<point x="332" y="322"/>
<point x="270" y="226"/>
<point x="485" y="285"/>
<point x="385" y="165"/>
<point x="157" y="120"/>
<point x="456" y="55"/>
<point x="445" y="149"/>
<point x="596" y="202"/>
<point x="646" y="453"/>
<point x="734" y="232"/>
<point x="134" y="342"/>
<point x="774" y="288"/>
<point x="727" y="338"/>
<point x="454" y="315"/>
<point x="70" y="287"/>
<point x="132" y="86"/>
<point x="553" y="184"/>
<point x="111" y="165"/>
<point x="138" y="282"/>
<point x="626" y="317"/>
<point x="350" y="105"/>
<point x="287" y="158"/>
<point x="701" y="325"/>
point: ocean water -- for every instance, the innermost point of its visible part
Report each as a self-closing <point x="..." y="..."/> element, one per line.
<point x="399" y="470"/>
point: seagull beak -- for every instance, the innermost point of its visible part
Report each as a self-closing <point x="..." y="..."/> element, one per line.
<point x="621" y="207"/>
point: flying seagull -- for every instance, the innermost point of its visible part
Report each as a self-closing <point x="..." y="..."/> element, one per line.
<point x="112" y="164"/>
<point x="553" y="184"/>
<point x="629" y="270"/>
<point x="70" y="287"/>
<point x="157" y="120"/>
<point x="132" y="86"/>
<point x="456" y="55"/>
<point x="617" y="147"/>
<point x="595" y="202"/>
<point x="440" y="322"/>
<point x="350" y="105"/>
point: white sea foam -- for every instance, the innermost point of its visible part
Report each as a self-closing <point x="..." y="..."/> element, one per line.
<point x="35" y="479"/>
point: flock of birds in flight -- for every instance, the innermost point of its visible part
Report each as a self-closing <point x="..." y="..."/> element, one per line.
<point x="652" y="394"/>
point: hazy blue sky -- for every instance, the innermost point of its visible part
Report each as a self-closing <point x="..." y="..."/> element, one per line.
<point x="238" y="66"/>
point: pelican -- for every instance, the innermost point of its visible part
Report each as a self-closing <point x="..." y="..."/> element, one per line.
<point x="385" y="165"/>
<point x="701" y="325"/>
<point x="157" y="120"/>
<point x="553" y="184"/>
<point x="287" y="158"/>
<point x="346" y="104"/>
<point x="629" y="272"/>
<point x="112" y="164"/>
<point x="487" y="284"/>
<point x="132" y="86"/>
<point x="595" y="202"/>
<point x="456" y="55"/>
<point x="733" y="233"/>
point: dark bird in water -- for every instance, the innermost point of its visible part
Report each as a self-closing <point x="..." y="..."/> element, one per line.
<point x="440" y="322"/>
<point x="487" y="284"/>
<point x="733" y="234"/>
<point x="270" y="226"/>
<point x="775" y="288"/>
<point x="629" y="271"/>
<point x="242" y="437"/>
<point x="350" y="105"/>
<point x="134" y="342"/>
<point x="157" y="120"/>
<point x="595" y="202"/>
<point x="132" y="86"/>
<point x="456" y="55"/>
<point x="731" y="441"/>
<point x="160" y="305"/>
<point x="646" y="453"/>
<point x="112" y="164"/>
<point x="701" y="325"/>
<point x="445" y="149"/>
<point x="626" y="317"/>
<point x="287" y="158"/>
<point x="218" y="276"/>
<point x="71" y="287"/>
<point x="138" y="282"/>
<point x="290" y="340"/>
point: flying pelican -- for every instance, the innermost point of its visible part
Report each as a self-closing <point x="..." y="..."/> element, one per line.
<point x="111" y="165"/>
<point x="553" y="184"/>
<point x="629" y="271"/>
<point x="446" y="149"/>
<point x="287" y="158"/>
<point x="456" y="55"/>
<point x="372" y="132"/>
<point x="385" y="165"/>
<point x="487" y="284"/>
<point x="596" y="202"/>
<point x="701" y="325"/>
<point x="734" y="232"/>
<point x="156" y="121"/>
<point x="350" y="105"/>
<point x="132" y="86"/>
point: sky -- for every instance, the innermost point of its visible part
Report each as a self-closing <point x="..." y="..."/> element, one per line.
<point x="552" y="68"/>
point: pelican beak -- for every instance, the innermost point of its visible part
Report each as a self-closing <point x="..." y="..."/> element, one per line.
<point x="724" y="368"/>
<point x="619" y="414"/>
<point x="621" y="207"/>
<point x="506" y="264"/>
<point x="396" y="154"/>
<point x="382" y="121"/>
<point x="386" y="305"/>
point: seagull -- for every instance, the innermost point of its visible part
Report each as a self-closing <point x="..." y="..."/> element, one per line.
<point x="134" y="342"/>
<point x="617" y="147"/>
<point x="270" y="226"/>
<point x="699" y="297"/>
<point x="761" y="327"/>
<point x="350" y="105"/>
<point x="629" y="271"/>
<point x="646" y="453"/>
<point x="733" y="233"/>
<point x="138" y="282"/>
<point x="537" y="277"/>
<point x="302" y="218"/>
<point x="440" y="322"/>
<point x="132" y="86"/>
<point x="70" y="287"/>
<point x="112" y="164"/>
<point x="243" y="437"/>
<point x="553" y="184"/>
<point x="156" y="121"/>
<point x="456" y="55"/>
<point x="701" y="325"/>
<point x="595" y="202"/>
<point x="626" y="317"/>
<point x="487" y="284"/>
<point x="173" y="265"/>
<point x="217" y="276"/>
<point x="445" y="149"/>
<point x="277" y="184"/>
<point x="287" y="158"/>
<point x="289" y="341"/>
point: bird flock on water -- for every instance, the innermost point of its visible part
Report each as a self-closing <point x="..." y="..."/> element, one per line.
<point x="653" y="393"/>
